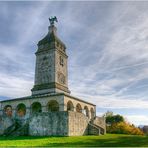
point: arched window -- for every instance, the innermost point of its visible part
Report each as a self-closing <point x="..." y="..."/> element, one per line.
<point x="70" y="106"/>
<point x="53" y="105"/>
<point x="36" y="107"/>
<point x="21" y="110"/>
<point x="8" y="110"/>
<point x="92" y="113"/>
<point x="86" y="111"/>
<point x="79" y="108"/>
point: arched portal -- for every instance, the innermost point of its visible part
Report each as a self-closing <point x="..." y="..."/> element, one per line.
<point x="36" y="107"/>
<point x="21" y="110"/>
<point x="8" y="110"/>
<point x="70" y="106"/>
<point x="86" y="111"/>
<point x="92" y="113"/>
<point x="78" y="108"/>
<point x="53" y="105"/>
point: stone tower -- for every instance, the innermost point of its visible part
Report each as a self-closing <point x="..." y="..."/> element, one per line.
<point x="51" y="75"/>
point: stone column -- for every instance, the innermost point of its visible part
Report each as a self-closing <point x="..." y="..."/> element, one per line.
<point x="44" y="109"/>
<point x="83" y="111"/>
<point x="13" y="112"/>
<point x="1" y="112"/>
<point x="28" y="112"/>
<point x="62" y="107"/>
<point x="89" y="114"/>
<point x="74" y="109"/>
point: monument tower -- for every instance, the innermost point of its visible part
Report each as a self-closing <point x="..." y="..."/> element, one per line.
<point x="50" y="110"/>
<point x="51" y="74"/>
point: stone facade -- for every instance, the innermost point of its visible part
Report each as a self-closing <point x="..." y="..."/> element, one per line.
<point x="77" y="115"/>
<point x="50" y="110"/>
<point x="49" y="124"/>
<point x="44" y="100"/>
<point x="78" y="124"/>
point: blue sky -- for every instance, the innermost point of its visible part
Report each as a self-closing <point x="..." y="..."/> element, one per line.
<point x="107" y="44"/>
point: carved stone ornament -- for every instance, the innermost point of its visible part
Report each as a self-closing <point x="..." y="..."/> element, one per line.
<point x="61" y="78"/>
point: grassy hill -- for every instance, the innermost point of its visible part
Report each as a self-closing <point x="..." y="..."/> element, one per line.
<point x="108" y="140"/>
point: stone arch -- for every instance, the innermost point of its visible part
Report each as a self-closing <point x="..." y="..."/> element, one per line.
<point x="53" y="105"/>
<point x="78" y="108"/>
<point x="70" y="106"/>
<point x="36" y="107"/>
<point x="8" y="110"/>
<point x="86" y="111"/>
<point x="21" y="110"/>
<point x="92" y="112"/>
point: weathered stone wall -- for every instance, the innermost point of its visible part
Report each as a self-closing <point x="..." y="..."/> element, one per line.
<point x="44" y="71"/>
<point x="63" y="123"/>
<point x="5" y="122"/>
<point x="47" y="124"/>
<point x="58" y="124"/>
<point x="78" y="124"/>
<point x="61" y="69"/>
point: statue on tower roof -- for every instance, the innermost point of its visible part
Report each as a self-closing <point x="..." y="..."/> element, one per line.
<point x="52" y="20"/>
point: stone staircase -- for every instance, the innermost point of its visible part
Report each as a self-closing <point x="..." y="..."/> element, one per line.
<point x="97" y="126"/>
<point x="17" y="130"/>
<point x="95" y="130"/>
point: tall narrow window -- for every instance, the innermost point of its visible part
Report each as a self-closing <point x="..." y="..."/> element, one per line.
<point x="61" y="61"/>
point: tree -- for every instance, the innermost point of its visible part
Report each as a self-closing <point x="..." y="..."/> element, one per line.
<point x="114" y="119"/>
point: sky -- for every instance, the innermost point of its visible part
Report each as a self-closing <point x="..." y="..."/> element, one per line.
<point x="107" y="45"/>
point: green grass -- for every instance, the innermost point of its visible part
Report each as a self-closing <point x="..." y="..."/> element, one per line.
<point x="108" y="140"/>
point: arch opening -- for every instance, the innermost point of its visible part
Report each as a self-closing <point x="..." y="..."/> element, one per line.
<point x="86" y="111"/>
<point x="21" y="110"/>
<point x="70" y="106"/>
<point x="8" y="110"/>
<point x="53" y="105"/>
<point x="36" y="107"/>
<point x="79" y="108"/>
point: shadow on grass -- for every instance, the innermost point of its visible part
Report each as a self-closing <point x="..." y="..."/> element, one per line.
<point x="131" y="141"/>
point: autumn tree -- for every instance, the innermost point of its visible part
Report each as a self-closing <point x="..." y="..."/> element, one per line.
<point x="117" y="124"/>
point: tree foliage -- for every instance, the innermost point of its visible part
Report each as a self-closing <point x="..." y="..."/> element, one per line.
<point x="117" y="124"/>
<point x="124" y="128"/>
<point x="114" y="119"/>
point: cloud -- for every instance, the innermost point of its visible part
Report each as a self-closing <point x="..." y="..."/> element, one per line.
<point x="13" y="87"/>
<point x="138" y="119"/>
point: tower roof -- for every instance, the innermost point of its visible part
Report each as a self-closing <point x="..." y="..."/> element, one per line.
<point x="51" y="37"/>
